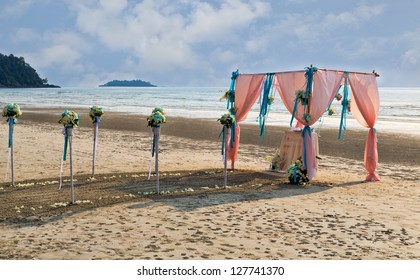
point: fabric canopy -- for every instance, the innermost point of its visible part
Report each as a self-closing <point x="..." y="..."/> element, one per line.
<point x="321" y="86"/>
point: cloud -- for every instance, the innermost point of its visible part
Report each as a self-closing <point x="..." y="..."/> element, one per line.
<point x="166" y="35"/>
<point x="316" y="25"/>
<point x="15" y="9"/>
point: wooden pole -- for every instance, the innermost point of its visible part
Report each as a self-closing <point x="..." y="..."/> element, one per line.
<point x="95" y="143"/>
<point x="157" y="132"/>
<point x="70" y="136"/>
<point x="11" y="123"/>
<point x="225" y="134"/>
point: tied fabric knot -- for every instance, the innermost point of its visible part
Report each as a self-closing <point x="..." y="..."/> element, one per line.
<point x="309" y="75"/>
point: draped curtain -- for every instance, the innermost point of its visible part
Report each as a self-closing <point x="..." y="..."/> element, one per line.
<point x="247" y="90"/>
<point x="325" y="86"/>
<point x="365" y="111"/>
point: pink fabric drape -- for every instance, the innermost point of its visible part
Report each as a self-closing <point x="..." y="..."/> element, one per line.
<point x="325" y="85"/>
<point x="247" y="90"/>
<point x="365" y="110"/>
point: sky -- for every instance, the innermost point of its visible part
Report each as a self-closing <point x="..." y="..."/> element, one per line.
<point x="85" y="43"/>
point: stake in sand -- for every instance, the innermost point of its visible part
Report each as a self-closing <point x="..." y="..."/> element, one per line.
<point x="11" y="112"/>
<point x="95" y="115"/>
<point x="227" y="120"/>
<point x="154" y="121"/>
<point x="70" y="120"/>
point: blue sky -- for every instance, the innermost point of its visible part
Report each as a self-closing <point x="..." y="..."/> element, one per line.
<point x="199" y="43"/>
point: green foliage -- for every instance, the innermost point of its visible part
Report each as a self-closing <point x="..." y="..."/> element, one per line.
<point x="125" y="83"/>
<point x="16" y="73"/>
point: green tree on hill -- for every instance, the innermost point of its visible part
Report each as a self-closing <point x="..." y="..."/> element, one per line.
<point x="16" y="73"/>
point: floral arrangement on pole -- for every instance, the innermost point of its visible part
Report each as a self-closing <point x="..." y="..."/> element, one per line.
<point x="11" y="112"/>
<point x="70" y="120"/>
<point x="228" y="95"/>
<point x="95" y="115"/>
<point x="302" y="97"/>
<point x="297" y="173"/>
<point x="227" y="120"/>
<point x="157" y="118"/>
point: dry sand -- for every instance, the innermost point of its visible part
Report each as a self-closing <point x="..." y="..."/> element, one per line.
<point x="260" y="216"/>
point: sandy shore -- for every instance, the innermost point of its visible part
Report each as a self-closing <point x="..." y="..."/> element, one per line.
<point x="260" y="216"/>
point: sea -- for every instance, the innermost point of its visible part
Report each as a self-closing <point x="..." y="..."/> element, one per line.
<point x="399" y="106"/>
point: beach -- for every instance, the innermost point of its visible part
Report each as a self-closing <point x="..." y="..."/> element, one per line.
<point x="258" y="216"/>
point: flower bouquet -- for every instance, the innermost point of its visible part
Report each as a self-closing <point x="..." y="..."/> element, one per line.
<point x="302" y="97"/>
<point x="156" y="118"/>
<point x="228" y="95"/>
<point x="12" y="110"/>
<point x="296" y="173"/>
<point x="95" y="111"/>
<point x="270" y="100"/>
<point x="69" y="118"/>
<point x="274" y="160"/>
<point x="227" y="120"/>
<point x="331" y="111"/>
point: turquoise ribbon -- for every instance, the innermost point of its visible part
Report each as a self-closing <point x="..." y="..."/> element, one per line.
<point x="66" y="141"/>
<point x="223" y="140"/>
<point x="345" y="103"/>
<point x="155" y="140"/>
<point x="11" y="122"/>
<point x="309" y="75"/>
<point x="265" y="108"/>
<point x="294" y="173"/>
<point x="231" y="105"/>
<point x="305" y="135"/>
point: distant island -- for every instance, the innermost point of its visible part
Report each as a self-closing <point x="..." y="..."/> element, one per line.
<point x="16" y="73"/>
<point x="125" y="83"/>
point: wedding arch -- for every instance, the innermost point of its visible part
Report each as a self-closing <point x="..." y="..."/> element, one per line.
<point x="307" y="94"/>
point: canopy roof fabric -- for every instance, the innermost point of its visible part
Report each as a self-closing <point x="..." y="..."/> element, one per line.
<point x="317" y="89"/>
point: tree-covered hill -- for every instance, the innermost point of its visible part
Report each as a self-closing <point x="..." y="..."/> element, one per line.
<point x="16" y="73"/>
<point x="125" y="83"/>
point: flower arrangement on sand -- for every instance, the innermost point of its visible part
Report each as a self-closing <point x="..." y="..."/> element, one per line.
<point x="274" y="160"/>
<point x="95" y="111"/>
<point x="156" y="118"/>
<point x="12" y="110"/>
<point x="227" y="120"/>
<point x="331" y="111"/>
<point x="69" y="118"/>
<point x="296" y="173"/>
